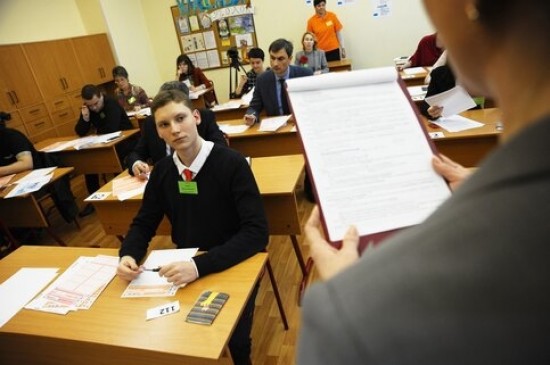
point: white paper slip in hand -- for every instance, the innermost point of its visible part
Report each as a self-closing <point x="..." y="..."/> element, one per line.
<point x="453" y="101"/>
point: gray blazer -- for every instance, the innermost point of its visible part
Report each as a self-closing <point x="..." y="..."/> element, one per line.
<point x="265" y="92"/>
<point x="468" y="286"/>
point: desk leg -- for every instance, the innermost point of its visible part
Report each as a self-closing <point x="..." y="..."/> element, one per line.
<point x="303" y="267"/>
<point x="12" y="242"/>
<point x="276" y="293"/>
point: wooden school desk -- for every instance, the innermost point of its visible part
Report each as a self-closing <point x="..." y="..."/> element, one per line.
<point x="414" y="79"/>
<point x="100" y="159"/>
<point x="469" y="147"/>
<point x="223" y="115"/>
<point x="114" y="329"/>
<point x="25" y="210"/>
<point x="339" y="66"/>
<point x="254" y="143"/>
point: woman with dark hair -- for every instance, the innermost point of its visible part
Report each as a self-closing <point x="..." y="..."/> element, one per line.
<point x="194" y="78"/>
<point x="310" y="56"/>
<point x="470" y="284"/>
<point x="129" y="96"/>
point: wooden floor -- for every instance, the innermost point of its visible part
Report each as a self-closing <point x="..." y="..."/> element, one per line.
<point x="271" y="343"/>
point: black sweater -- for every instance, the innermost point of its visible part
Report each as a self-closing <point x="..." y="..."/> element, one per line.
<point x="226" y="217"/>
<point x="111" y="118"/>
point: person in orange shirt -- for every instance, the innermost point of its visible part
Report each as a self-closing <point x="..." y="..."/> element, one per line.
<point x="328" y="31"/>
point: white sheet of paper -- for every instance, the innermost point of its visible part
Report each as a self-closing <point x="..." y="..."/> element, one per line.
<point x="34" y="174"/>
<point x="29" y="186"/>
<point x="142" y="111"/>
<point x="247" y="98"/>
<point x="457" y="123"/>
<point x="20" y="288"/>
<point x="232" y="128"/>
<point x="271" y="124"/>
<point x="370" y="158"/>
<point x="453" y="101"/>
<point x="151" y="284"/>
<point x="414" y="70"/>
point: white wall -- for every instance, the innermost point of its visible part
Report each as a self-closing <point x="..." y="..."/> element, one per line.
<point x="130" y="39"/>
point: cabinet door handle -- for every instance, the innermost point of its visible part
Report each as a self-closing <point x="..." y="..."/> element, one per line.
<point x="66" y="83"/>
<point x="63" y="115"/>
<point x="11" y="97"/>
<point x="15" y="96"/>
<point x="39" y="124"/>
<point x="34" y="111"/>
<point x="62" y="84"/>
<point x="99" y="71"/>
<point x="60" y="102"/>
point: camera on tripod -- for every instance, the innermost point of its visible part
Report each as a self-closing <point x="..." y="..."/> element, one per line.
<point x="233" y="55"/>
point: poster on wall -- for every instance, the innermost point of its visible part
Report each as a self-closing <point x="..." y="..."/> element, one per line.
<point x="205" y="34"/>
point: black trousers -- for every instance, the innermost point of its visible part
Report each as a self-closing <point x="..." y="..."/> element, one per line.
<point x="92" y="182"/>
<point x="240" y="343"/>
<point x="333" y="55"/>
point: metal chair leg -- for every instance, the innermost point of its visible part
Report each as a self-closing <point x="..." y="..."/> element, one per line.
<point x="276" y="292"/>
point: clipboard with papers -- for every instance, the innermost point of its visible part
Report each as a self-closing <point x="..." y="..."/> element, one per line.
<point x="367" y="152"/>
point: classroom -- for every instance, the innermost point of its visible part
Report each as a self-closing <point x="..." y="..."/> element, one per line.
<point x="108" y="210"/>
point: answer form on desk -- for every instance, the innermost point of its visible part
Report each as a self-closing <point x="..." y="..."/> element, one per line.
<point x="78" y="287"/>
<point x="456" y="123"/>
<point x="150" y="283"/>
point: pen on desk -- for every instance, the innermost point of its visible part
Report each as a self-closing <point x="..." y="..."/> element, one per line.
<point x="156" y="269"/>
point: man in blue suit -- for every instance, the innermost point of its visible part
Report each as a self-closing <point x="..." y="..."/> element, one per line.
<point x="270" y="92"/>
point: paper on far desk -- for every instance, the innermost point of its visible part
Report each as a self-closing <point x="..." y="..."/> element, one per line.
<point x="457" y="123"/>
<point x="128" y="186"/>
<point x="414" y="70"/>
<point x="151" y="284"/>
<point x="144" y="111"/>
<point x="369" y="156"/>
<point x="233" y="128"/>
<point x="453" y="101"/>
<point x="271" y="124"/>
<point x="29" y="185"/>
<point x="21" y="287"/>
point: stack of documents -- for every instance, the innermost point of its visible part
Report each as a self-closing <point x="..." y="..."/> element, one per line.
<point x="271" y="124"/>
<point x="32" y="182"/>
<point x="369" y="156"/>
<point x="78" y="287"/>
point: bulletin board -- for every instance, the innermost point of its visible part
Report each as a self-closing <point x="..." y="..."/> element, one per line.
<point x="205" y="35"/>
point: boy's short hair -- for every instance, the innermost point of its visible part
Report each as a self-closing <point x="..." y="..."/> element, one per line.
<point x="119" y="71"/>
<point x="89" y="91"/>
<point x="256" y="53"/>
<point x="175" y="85"/>
<point x="317" y="2"/>
<point x="167" y="96"/>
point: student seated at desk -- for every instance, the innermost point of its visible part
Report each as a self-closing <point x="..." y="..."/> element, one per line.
<point x="427" y="53"/>
<point x="151" y="148"/>
<point x="100" y="114"/>
<point x="129" y="96"/>
<point x="194" y="78"/>
<point x="17" y="154"/>
<point x="209" y="194"/>
<point x="247" y="82"/>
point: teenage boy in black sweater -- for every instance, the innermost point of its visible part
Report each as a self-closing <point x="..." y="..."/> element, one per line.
<point x="218" y="208"/>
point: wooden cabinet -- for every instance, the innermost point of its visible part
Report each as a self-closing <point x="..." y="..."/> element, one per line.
<point x="95" y="58"/>
<point x="18" y="88"/>
<point x="55" y="67"/>
<point x="40" y="82"/>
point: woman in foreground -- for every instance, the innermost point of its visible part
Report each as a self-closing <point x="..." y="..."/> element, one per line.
<point x="470" y="284"/>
